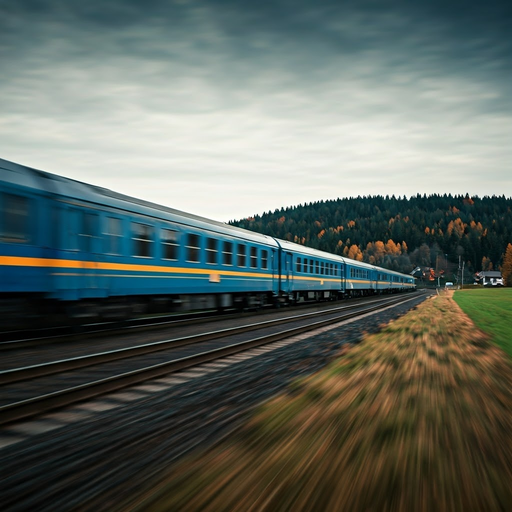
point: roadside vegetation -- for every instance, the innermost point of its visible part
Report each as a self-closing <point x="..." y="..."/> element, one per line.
<point x="416" y="417"/>
<point x="491" y="310"/>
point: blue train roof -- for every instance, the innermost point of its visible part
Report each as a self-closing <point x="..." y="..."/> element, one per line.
<point x="308" y="251"/>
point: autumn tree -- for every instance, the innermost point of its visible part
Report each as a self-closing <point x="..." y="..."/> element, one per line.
<point x="506" y="269"/>
<point x="354" y="252"/>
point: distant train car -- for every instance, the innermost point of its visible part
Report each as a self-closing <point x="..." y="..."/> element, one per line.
<point x="308" y="274"/>
<point x="78" y="249"/>
<point x="391" y="281"/>
<point x="361" y="278"/>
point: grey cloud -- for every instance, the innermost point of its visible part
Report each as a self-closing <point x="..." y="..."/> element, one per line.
<point x="209" y="94"/>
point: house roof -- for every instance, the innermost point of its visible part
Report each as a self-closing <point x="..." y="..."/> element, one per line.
<point x="489" y="273"/>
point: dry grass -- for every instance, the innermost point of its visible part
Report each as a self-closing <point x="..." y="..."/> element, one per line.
<point x="414" y="418"/>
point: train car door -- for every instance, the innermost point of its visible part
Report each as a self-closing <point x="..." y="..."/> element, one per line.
<point x="80" y="237"/>
<point x="343" y="283"/>
<point x="67" y="279"/>
<point x="275" y="271"/>
<point x="288" y="272"/>
<point x="88" y="241"/>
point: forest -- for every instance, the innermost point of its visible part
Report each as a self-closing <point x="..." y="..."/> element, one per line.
<point x="441" y="232"/>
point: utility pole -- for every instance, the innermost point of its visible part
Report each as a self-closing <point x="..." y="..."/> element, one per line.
<point x="458" y="270"/>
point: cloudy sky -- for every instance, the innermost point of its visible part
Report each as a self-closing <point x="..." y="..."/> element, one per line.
<point x="228" y="108"/>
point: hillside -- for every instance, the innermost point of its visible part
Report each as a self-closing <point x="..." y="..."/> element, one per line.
<point x="400" y="233"/>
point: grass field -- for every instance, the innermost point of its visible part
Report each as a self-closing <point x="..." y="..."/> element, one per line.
<point x="491" y="310"/>
<point x="414" y="418"/>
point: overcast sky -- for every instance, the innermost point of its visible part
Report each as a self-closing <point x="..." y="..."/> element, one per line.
<point x="230" y="108"/>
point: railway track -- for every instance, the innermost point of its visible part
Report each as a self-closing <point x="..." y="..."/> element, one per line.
<point x="36" y="389"/>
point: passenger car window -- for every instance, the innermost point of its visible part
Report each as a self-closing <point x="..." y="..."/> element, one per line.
<point x="170" y="244"/>
<point x="299" y="264"/>
<point x="192" y="247"/>
<point x="211" y="251"/>
<point x="14" y="218"/>
<point x="254" y="257"/>
<point x="241" y="255"/>
<point x="113" y="236"/>
<point x="142" y="236"/>
<point x="264" y="259"/>
<point x="88" y="231"/>
<point x="227" y="253"/>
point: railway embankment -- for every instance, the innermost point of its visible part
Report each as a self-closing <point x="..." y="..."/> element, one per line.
<point x="415" y="417"/>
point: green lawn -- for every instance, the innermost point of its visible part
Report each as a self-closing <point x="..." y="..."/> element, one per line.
<point x="491" y="310"/>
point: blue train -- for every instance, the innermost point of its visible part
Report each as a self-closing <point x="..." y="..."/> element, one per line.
<point x="78" y="249"/>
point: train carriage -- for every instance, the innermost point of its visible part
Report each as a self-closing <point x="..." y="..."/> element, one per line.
<point x="390" y="281"/>
<point x="310" y="274"/>
<point x="360" y="278"/>
<point x="65" y="240"/>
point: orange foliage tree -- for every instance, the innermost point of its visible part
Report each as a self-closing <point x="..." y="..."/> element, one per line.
<point x="354" y="252"/>
<point x="506" y="269"/>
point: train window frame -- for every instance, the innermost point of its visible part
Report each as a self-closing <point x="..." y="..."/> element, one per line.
<point x="227" y="253"/>
<point x="241" y="255"/>
<point x="305" y="266"/>
<point x="298" y="264"/>
<point x="264" y="259"/>
<point x="88" y="231"/>
<point x="317" y="267"/>
<point x="253" y="257"/>
<point x="212" y="251"/>
<point x="113" y="240"/>
<point x="19" y="236"/>
<point x="142" y="241"/>
<point x="170" y="245"/>
<point x="192" y="248"/>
